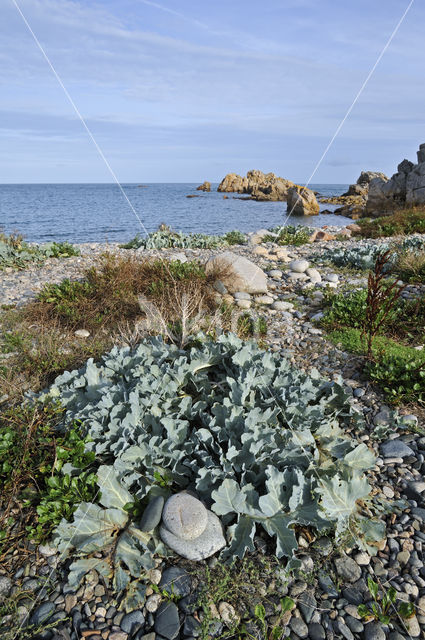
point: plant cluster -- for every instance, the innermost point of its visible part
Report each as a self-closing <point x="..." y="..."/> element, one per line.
<point x="44" y="473"/>
<point x="166" y="238"/>
<point x="16" y="253"/>
<point x="403" y="222"/>
<point x="383" y="607"/>
<point x="245" y="429"/>
<point x="295" y="235"/>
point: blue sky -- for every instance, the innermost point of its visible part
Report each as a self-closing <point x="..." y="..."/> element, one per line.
<point x="177" y="91"/>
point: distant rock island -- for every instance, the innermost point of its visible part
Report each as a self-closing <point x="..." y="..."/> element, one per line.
<point x="259" y="185"/>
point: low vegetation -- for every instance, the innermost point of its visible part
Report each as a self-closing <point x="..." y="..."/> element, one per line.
<point x="290" y="234"/>
<point x="17" y="254"/>
<point x="400" y="223"/>
<point x="166" y="238"/>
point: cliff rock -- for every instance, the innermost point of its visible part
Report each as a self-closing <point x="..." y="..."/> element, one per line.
<point x="259" y="185"/>
<point x="405" y="187"/>
<point x="205" y="186"/>
<point x="302" y="202"/>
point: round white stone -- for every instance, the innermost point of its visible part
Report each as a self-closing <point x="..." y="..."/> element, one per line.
<point x="300" y="266"/>
<point x="243" y="304"/>
<point x="264" y="300"/>
<point x="281" y="305"/>
<point x="82" y="333"/>
<point x="184" y="516"/>
<point x="204" y="546"/>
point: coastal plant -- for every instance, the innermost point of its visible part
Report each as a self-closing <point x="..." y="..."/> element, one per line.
<point x="382" y="298"/>
<point x="168" y="239"/>
<point x="383" y="607"/>
<point x="262" y="440"/>
<point x="295" y="235"/>
<point x="403" y="222"/>
<point x="235" y="237"/>
<point x="17" y="254"/>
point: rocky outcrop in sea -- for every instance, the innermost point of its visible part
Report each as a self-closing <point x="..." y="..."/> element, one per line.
<point x="259" y="185"/>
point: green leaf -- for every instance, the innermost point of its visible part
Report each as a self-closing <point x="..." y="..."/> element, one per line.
<point x="286" y="542"/>
<point x="241" y="537"/>
<point x="373" y="587"/>
<point x="360" y="458"/>
<point x="113" y="493"/>
<point x="80" y="567"/>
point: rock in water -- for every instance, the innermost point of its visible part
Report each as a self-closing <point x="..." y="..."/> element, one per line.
<point x="184" y="516"/>
<point x="152" y="514"/>
<point x="302" y="202"/>
<point x="204" y="546"/>
<point x="259" y="185"/>
<point x="240" y="274"/>
<point x="205" y="186"/>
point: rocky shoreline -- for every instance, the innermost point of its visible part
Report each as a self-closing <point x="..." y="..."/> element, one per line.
<point x="329" y="588"/>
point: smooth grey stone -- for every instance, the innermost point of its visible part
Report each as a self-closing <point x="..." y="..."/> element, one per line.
<point x="299" y="627"/>
<point x="348" y="569"/>
<point x="316" y="631"/>
<point x="167" y="622"/>
<point x="131" y="620"/>
<point x="152" y="514"/>
<point x="42" y="613"/>
<point x="395" y="449"/>
<point x="242" y="295"/>
<point x="374" y="631"/>
<point x="184" y="516"/>
<point x="325" y="583"/>
<point x="5" y="586"/>
<point x="353" y="595"/>
<point x="191" y="627"/>
<point x="356" y="626"/>
<point x="307" y="605"/>
<point x="204" y="546"/>
<point x="419" y="513"/>
<point x="343" y="630"/>
<point x="299" y="266"/>
<point x="189" y="604"/>
<point x="176" y="581"/>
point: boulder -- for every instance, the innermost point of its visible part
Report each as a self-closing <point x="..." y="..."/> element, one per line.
<point x="361" y="187"/>
<point x="240" y="274"/>
<point x="405" y="187"/>
<point x="259" y="185"/>
<point x="205" y="186"/>
<point x="302" y="202"/>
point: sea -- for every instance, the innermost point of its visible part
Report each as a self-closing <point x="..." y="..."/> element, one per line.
<point x="100" y="212"/>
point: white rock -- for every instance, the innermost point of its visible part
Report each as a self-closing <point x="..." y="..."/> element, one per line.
<point x="296" y="275"/>
<point x="332" y="285"/>
<point x="153" y="602"/>
<point x="178" y="256"/>
<point x="184" y="516"/>
<point x="204" y="546"/>
<point x="243" y="275"/>
<point x="243" y="304"/>
<point x="276" y="274"/>
<point x="281" y="305"/>
<point x="260" y="251"/>
<point x="242" y="295"/>
<point x="264" y="300"/>
<point x="82" y="333"/>
<point x="228" y="614"/>
<point x="313" y="274"/>
<point x="300" y="266"/>
<point x="331" y="277"/>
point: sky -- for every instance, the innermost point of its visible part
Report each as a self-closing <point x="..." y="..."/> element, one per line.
<point x="185" y="91"/>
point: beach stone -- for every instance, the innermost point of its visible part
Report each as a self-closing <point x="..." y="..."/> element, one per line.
<point x="316" y="631"/>
<point x="307" y="605"/>
<point x="176" y="581"/>
<point x="295" y="275"/>
<point x="264" y="300"/>
<point x="374" y="631"/>
<point x="152" y="514"/>
<point x="167" y="623"/>
<point x="276" y="274"/>
<point x="258" y="250"/>
<point x="153" y="602"/>
<point x="5" y="586"/>
<point x="299" y="627"/>
<point x="343" y="630"/>
<point x="132" y="620"/>
<point x="82" y="333"/>
<point x="242" y="295"/>
<point x="42" y="613"/>
<point x="184" y="516"/>
<point x="219" y="286"/>
<point x="115" y="635"/>
<point x="348" y="569"/>
<point x="204" y="546"/>
<point x="243" y="275"/>
<point x="313" y="274"/>
<point x="281" y="305"/>
<point x="395" y="449"/>
<point x="228" y="614"/>
<point x="243" y="304"/>
<point x="191" y="627"/>
<point x="299" y="266"/>
<point x="331" y="277"/>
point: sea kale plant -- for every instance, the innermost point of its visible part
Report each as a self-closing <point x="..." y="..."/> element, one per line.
<point x="17" y="254"/>
<point x="364" y="256"/>
<point x="262" y="443"/>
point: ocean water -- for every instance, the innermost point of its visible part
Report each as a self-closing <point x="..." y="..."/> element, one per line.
<point x="100" y="213"/>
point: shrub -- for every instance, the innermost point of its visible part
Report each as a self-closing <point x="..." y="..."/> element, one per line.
<point x="294" y="235"/>
<point x="410" y="266"/>
<point x="16" y="253"/>
<point x="168" y="239"/>
<point x="403" y="222"/>
<point x="235" y="237"/>
<point x="245" y="428"/>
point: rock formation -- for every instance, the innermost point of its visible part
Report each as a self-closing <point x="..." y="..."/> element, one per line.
<point x="205" y="186"/>
<point x="259" y="185"/>
<point x="405" y="187"/>
<point x="353" y="201"/>
<point x="302" y="201"/>
<point x="361" y="187"/>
